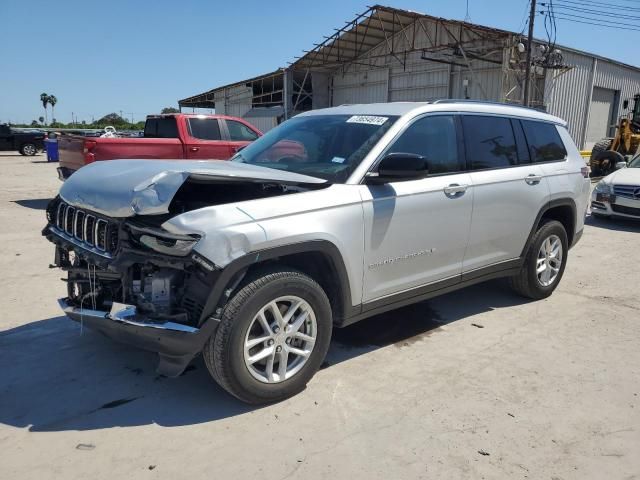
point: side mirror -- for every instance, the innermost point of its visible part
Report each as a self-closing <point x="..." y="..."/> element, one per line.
<point x="625" y="104"/>
<point x="399" y="167"/>
<point x="620" y="165"/>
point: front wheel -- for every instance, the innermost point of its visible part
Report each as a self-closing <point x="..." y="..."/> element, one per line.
<point x="273" y="336"/>
<point x="544" y="262"/>
<point x="28" y="149"/>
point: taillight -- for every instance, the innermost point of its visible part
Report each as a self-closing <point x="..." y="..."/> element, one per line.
<point x="89" y="145"/>
<point x="585" y="171"/>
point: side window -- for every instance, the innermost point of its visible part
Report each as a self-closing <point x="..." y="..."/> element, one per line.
<point x="163" y="127"/>
<point x="240" y="132"/>
<point x="204" y="128"/>
<point x="489" y="142"/>
<point x="544" y="141"/>
<point x="434" y="138"/>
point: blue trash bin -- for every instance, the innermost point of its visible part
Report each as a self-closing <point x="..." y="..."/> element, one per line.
<point x="51" y="146"/>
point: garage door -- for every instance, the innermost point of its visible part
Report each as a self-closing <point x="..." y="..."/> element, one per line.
<point x="600" y="115"/>
<point x="370" y="86"/>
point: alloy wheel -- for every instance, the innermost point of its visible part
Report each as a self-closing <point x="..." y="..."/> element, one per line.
<point x="549" y="260"/>
<point x="280" y="339"/>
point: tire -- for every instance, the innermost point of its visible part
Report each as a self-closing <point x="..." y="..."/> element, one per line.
<point x="28" y="150"/>
<point x="527" y="283"/>
<point x="597" y="150"/>
<point x="227" y="359"/>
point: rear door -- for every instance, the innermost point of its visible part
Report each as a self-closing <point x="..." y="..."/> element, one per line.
<point x="509" y="190"/>
<point x="204" y="139"/>
<point x="239" y="134"/>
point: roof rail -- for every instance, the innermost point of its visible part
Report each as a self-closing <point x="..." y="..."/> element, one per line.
<point x="483" y="102"/>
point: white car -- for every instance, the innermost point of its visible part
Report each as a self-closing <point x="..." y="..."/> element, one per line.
<point x="618" y="194"/>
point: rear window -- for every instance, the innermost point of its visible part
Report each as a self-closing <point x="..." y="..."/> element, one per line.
<point x="205" y="128"/>
<point x="545" y="144"/>
<point x="489" y="142"/>
<point x="164" y="127"/>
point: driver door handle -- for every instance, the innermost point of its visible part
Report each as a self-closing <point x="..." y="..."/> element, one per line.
<point x="454" y="189"/>
<point x="533" y="179"/>
<point x="194" y="149"/>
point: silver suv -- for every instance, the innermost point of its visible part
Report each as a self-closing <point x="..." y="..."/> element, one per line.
<point x="334" y="216"/>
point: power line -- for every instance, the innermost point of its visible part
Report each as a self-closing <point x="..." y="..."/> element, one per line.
<point x="596" y="23"/>
<point x="599" y="20"/>
<point x="595" y="12"/>
<point x="590" y="3"/>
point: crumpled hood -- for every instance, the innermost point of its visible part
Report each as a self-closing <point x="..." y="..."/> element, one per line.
<point x="124" y="188"/>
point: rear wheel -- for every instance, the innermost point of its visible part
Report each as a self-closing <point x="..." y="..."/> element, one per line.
<point x="544" y="262"/>
<point x="598" y="149"/>
<point x="28" y="149"/>
<point x="273" y="336"/>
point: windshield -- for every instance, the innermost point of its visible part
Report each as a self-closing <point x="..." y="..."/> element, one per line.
<point x="635" y="162"/>
<point x="323" y="146"/>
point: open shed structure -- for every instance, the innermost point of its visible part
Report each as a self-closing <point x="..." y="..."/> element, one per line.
<point x="388" y="55"/>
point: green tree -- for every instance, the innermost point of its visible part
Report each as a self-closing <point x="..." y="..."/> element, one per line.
<point x="44" y="98"/>
<point x="52" y="101"/>
<point x="41" y="119"/>
<point x="170" y="110"/>
<point x="35" y="123"/>
<point x="112" y="119"/>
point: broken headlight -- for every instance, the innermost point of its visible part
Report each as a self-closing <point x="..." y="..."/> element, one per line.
<point x="165" y="242"/>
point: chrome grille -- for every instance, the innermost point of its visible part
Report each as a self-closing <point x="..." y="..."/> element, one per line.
<point x="93" y="232"/>
<point x="627" y="191"/>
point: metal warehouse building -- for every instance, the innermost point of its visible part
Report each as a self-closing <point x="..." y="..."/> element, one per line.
<point x="390" y="55"/>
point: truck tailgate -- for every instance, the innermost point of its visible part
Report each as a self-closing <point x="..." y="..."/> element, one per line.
<point x="70" y="151"/>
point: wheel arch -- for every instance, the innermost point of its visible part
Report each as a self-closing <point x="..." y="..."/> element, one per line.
<point x="320" y="259"/>
<point x="564" y="210"/>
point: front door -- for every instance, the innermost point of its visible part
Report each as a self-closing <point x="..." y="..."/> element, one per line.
<point x="205" y="141"/>
<point x="416" y="231"/>
<point x="239" y="135"/>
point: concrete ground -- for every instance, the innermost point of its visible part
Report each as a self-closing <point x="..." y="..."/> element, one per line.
<point x="475" y="384"/>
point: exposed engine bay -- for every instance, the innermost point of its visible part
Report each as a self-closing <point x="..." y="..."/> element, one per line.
<point x="133" y="261"/>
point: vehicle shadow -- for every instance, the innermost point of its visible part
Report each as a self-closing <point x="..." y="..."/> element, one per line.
<point x="34" y="203"/>
<point x="58" y="377"/>
<point x="616" y="224"/>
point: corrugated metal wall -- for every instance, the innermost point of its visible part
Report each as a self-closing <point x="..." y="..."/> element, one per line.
<point x="238" y="100"/>
<point x="264" y="124"/>
<point x="419" y="82"/>
<point x="568" y="95"/>
<point x="368" y="86"/>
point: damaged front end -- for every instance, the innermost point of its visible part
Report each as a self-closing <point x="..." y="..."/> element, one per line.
<point x="133" y="281"/>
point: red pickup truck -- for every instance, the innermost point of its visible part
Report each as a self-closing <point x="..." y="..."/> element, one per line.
<point x="172" y="136"/>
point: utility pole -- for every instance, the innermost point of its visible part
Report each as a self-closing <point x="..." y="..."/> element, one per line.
<point x="527" y="78"/>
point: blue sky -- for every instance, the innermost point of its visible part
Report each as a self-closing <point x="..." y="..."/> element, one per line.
<point x="140" y="56"/>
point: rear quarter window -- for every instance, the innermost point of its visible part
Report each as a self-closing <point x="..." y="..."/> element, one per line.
<point x="161" y="128"/>
<point x="543" y="139"/>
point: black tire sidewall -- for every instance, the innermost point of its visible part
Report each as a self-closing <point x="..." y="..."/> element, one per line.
<point x="545" y="231"/>
<point x="300" y="286"/>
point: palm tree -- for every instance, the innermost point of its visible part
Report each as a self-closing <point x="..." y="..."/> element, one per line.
<point x="44" y="98"/>
<point x="41" y="120"/>
<point x="52" y="101"/>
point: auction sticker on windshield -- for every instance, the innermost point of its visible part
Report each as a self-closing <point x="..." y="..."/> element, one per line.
<point x="368" y="119"/>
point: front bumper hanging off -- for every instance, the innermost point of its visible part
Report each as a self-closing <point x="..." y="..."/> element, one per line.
<point x="175" y="343"/>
